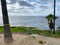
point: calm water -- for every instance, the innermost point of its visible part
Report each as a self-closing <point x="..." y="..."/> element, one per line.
<point x="32" y="21"/>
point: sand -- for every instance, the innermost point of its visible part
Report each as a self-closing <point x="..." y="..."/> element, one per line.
<point x="33" y="39"/>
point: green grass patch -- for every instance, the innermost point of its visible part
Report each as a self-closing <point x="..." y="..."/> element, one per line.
<point x="1" y="29"/>
<point x="31" y="30"/>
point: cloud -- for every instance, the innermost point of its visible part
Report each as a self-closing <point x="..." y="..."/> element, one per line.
<point x="8" y="1"/>
<point x="11" y="1"/>
<point x="21" y="2"/>
<point x="31" y="7"/>
<point x="24" y="3"/>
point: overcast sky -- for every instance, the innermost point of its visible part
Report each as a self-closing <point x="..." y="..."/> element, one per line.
<point x="31" y="7"/>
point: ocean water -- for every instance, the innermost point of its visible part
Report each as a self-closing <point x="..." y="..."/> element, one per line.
<point x="30" y="21"/>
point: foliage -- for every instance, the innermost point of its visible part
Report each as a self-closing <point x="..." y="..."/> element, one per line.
<point x="58" y="28"/>
<point x="50" y="16"/>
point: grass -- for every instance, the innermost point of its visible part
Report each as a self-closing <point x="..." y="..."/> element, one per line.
<point x="42" y="42"/>
<point x="1" y="29"/>
<point x="46" y="33"/>
<point x="32" y="30"/>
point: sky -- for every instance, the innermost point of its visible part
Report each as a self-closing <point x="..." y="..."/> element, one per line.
<point x="31" y="7"/>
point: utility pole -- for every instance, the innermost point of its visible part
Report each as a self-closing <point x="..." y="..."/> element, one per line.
<point x="54" y="15"/>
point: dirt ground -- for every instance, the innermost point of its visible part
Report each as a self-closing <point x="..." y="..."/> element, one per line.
<point x="33" y="39"/>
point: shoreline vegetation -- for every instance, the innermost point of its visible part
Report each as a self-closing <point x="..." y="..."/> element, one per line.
<point x="31" y="30"/>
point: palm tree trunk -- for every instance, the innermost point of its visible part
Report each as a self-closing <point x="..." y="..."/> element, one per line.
<point x="54" y="16"/>
<point x="7" y="31"/>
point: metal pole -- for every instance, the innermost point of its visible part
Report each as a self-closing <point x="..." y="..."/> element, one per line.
<point x="54" y="15"/>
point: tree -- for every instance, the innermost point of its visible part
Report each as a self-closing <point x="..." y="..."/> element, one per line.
<point x="58" y="28"/>
<point x="50" y="19"/>
<point x="7" y="31"/>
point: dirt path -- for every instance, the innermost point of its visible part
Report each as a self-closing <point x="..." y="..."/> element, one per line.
<point x="23" y="39"/>
<point x="51" y="40"/>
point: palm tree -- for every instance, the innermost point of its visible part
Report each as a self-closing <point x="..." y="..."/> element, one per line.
<point x="50" y="19"/>
<point x="7" y="31"/>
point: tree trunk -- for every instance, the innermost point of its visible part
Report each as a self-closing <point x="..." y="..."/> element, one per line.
<point x="7" y="31"/>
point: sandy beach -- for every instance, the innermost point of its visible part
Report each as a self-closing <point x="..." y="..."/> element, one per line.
<point x="24" y="39"/>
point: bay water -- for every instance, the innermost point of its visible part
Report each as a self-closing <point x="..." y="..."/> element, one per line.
<point x="30" y="21"/>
